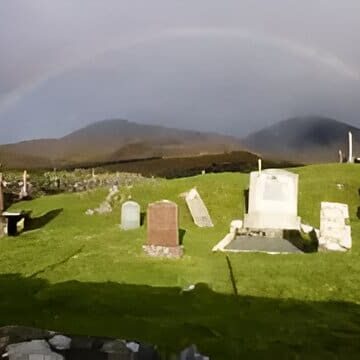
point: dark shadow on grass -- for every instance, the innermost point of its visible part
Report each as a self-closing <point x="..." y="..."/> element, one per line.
<point x="41" y="221"/>
<point x="222" y="325"/>
<point x="232" y="276"/>
<point x="307" y="244"/>
<point x="142" y="218"/>
<point x="182" y="233"/>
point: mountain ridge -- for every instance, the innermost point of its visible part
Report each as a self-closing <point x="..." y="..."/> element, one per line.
<point x="306" y="139"/>
<point x="118" y="139"/>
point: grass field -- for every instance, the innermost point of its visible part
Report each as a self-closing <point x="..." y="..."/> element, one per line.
<point x="83" y="275"/>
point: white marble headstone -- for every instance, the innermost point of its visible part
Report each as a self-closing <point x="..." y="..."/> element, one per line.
<point x="130" y="215"/>
<point x="335" y="234"/>
<point x="273" y="200"/>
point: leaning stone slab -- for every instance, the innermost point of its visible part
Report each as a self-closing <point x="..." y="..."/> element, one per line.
<point x="198" y="210"/>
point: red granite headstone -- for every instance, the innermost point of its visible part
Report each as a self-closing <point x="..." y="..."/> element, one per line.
<point x="162" y="224"/>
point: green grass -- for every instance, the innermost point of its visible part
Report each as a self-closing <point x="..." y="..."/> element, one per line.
<point x="82" y="274"/>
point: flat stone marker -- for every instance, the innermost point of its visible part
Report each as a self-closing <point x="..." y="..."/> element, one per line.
<point x="335" y="234"/>
<point x="198" y="210"/>
<point x="130" y="215"/>
<point x="162" y="224"/>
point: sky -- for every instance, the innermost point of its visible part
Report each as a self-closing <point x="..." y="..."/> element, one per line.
<point x="227" y="66"/>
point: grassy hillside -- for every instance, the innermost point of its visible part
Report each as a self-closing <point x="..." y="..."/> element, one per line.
<point x="82" y="274"/>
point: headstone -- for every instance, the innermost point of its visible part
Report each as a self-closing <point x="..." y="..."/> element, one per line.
<point x="162" y="224"/>
<point x="273" y="199"/>
<point x="335" y="234"/>
<point x="130" y="215"/>
<point x="198" y="210"/>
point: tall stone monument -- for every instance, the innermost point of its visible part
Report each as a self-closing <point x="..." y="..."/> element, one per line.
<point x="273" y="200"/>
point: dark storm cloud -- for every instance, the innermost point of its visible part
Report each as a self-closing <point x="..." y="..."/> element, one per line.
<point x="228" y="66"/>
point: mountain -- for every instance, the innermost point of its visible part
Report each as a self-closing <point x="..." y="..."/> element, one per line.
<point x="305" y="139"/>
<point x="114" y="140"/>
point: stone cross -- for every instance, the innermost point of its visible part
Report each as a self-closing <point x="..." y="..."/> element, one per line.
<point x="162" y="224"/>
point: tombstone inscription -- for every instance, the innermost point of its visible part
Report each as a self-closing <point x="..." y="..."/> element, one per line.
<point x="273" y="198"/>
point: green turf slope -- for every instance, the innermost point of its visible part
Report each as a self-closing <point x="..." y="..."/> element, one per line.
<point x="82" y="274"/>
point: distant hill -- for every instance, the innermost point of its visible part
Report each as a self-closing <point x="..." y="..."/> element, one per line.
<point x="114" y="140"/>
<point x="305" y="139"/>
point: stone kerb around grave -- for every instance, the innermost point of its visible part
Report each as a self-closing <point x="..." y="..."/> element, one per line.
<point x="130" y="215"/>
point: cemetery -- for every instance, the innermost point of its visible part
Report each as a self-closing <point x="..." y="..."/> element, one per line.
<point x="267" y="262"/>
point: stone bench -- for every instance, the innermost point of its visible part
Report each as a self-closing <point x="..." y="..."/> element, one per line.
<point x="12" y="219"/>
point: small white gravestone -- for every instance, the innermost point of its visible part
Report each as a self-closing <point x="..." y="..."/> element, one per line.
<point x="335" y="234"/>
<point x="273" y="199"/>
<point x="130" y="215"/>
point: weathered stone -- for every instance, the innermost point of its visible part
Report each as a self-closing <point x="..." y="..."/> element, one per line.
<point x="335" y="234"/>
<point x="35" y="349"/>
<point x="133" y="346"/>
<point x="235" y="226"/>
<point x="273" y="198"/>
<point x="162" y="224"/>
<point x="115" y="346"/>
<point x="130" y="215"/>
<point x="191" y="353"/>
<point x="164" y="251"/>
<point x="60" y="342"/>
<point x="198" y="210"/>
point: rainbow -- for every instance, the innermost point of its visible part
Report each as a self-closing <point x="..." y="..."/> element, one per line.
<point x="318" y="56"/>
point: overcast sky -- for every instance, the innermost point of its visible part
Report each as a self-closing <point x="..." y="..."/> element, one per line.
<point x="226" y="66"/>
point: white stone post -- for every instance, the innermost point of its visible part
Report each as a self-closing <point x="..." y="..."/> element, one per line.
<point x="25" y="184"/>
<point x="259" y="166"/>
<point x="350" y="158"/>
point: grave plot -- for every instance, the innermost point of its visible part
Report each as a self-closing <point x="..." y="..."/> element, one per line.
<point x="272" y="210"/>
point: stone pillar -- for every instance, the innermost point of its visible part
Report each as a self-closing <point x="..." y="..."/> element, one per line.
<point x="350" y="157"/>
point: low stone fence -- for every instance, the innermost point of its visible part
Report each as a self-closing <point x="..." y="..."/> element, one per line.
<point x="39" y="184"/>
